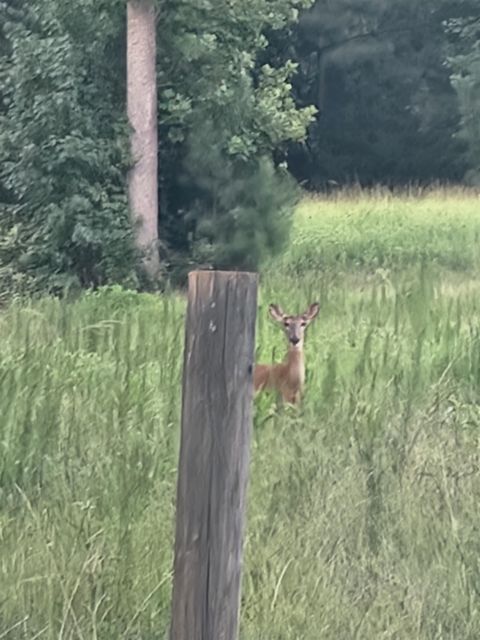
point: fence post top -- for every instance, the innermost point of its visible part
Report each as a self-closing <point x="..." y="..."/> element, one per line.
<point x="222" y="272"/>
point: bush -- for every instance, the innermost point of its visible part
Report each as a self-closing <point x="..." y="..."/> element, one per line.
<point x="241" y="211"/>
<point x="63" y="156"/>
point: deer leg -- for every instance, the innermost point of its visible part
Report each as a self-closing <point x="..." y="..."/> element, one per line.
<point x="293" y="397"/>
<point x="289" y="397"/>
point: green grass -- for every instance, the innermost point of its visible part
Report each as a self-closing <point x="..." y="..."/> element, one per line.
<point x="363" y="504"/>
<point x="381" y="230"/>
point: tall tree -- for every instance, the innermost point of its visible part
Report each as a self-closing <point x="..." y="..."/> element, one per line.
<point x="464" y="38"/>
<point x="387" y="111"/>
<point x="225" y="113"/>
<point x="142" y="115"/>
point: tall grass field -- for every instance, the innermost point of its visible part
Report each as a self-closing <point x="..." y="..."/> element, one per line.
<point x="363" y="504"/>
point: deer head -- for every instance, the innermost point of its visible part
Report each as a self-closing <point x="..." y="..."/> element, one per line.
<point x="294" y="326"/>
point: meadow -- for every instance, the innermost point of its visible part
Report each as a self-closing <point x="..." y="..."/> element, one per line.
<point x="363" y="519"/>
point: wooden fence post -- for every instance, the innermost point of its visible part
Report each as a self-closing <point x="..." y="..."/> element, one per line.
<point x="214" y="454"/>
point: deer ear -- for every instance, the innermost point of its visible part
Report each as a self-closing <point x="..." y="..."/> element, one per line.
<point x="276" y="312"/>
<point x="312" y="312"/>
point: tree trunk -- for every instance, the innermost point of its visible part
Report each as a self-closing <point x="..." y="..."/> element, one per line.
<point x="142" y="114"/>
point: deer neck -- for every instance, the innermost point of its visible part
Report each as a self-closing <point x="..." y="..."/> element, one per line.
<point x="296" y="364"/>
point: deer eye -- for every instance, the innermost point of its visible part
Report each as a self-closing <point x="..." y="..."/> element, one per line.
<point x="303" y="324"/>
<point x="286" y="323"/>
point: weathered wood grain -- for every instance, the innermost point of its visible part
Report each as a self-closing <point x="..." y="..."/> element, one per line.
<point x="214" y="454"/>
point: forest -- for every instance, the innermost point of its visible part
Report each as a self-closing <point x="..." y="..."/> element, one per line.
<point x="256" y="102"/>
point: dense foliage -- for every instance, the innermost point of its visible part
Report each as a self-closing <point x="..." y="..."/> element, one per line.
<point x="64" y="141"/>
<point x="464" y="34"/>
<point x="64" y="218"/>
<point x="387" y="110"/>
<point x="222" y="115"/>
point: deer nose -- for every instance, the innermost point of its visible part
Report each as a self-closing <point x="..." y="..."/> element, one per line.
<point x="294" y="340"/>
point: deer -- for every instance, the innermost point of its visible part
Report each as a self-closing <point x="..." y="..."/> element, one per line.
<point x="287" y="377"/>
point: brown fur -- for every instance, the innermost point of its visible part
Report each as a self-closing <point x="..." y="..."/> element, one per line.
<point x="287" y="377"/>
